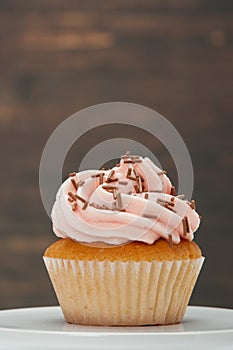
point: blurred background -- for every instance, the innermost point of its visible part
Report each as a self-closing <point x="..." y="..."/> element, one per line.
<point x="58" y="57"/>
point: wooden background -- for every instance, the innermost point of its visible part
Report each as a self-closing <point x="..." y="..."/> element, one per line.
<point x="58" y="57"/>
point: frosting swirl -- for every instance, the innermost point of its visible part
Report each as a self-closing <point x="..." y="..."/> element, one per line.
<point x="134" y="200"/>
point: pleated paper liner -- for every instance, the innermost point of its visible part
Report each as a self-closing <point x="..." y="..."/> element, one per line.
<point x="123" y="293"/>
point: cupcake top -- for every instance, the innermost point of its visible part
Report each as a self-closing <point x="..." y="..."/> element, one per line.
<point x="133" y="201"/>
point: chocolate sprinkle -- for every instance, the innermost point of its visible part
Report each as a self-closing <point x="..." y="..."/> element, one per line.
<point x="186" y="228"/>
<point x="85" y="205"/>
<point x="72" y="174"/>
<point x="112" y="180"/>
<point x="73" y="196"/>
<point x="170" y="240"/>
<point x="150" y="216"/>
<point x="129" y="161"/>
<point x="140" y="184"/>
<point x="110" y="174"/>
<point x="192" y="204"/>
<point x="80" y="198"/>
<point x="74" y="183"/>
<point x="187" y="224"/>
<point x="128" y="172"/>
<point x="74" y="206"/>
<point x="109" y="187"/>
<point x="173" y="191"/>
<point x="101" y="179"/>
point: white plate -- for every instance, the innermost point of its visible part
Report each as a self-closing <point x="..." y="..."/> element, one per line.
<point x="45" y="328"/>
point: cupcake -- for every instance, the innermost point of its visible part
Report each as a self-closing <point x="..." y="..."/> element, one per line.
<point x="126" y="254"/>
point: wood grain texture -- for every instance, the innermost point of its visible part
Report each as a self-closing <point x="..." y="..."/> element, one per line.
<point x="59" y="57"/>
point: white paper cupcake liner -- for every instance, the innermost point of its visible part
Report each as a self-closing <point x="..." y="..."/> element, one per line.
<point x="123" y="293"/>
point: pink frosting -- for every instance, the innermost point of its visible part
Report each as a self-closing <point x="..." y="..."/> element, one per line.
<point x="132" y="201"/>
